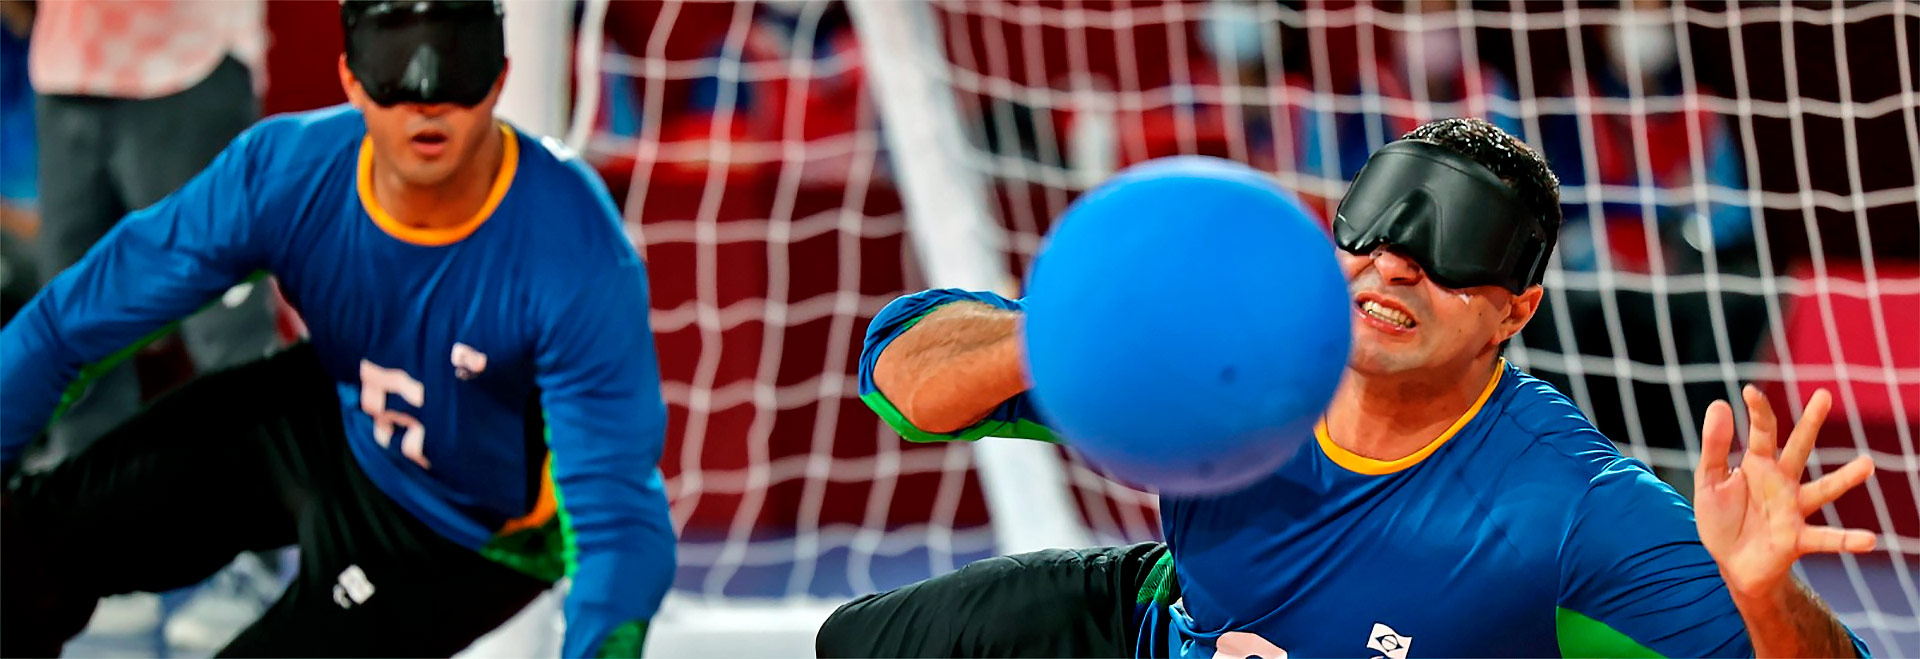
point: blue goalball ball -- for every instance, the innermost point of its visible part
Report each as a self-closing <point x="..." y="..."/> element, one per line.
<point x="1186" y="325"/>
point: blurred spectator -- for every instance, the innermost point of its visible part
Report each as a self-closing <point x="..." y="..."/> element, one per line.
<point x="680" y="109"/>
<point x="133" y="100"/>
<point x="1427" y="65"/>
<point x="1640" y="58"/>
<point x="19" y="166"/>
<point x="1676" y="181"/>
<point x="783" y="48"/>
<point x="1243" y="41"/>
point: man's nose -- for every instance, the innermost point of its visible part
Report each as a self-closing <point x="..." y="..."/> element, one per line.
<point x="430" y="110"/>
<point x="1396" y="267"/>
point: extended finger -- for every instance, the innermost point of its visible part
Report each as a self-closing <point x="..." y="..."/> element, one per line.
<point x="1760" y="423"/>
<point x="1826" y="489"/>
<point x="1834" y="540"/>
<point x="1793" y="458"/>
<point x="1716" y="439"/>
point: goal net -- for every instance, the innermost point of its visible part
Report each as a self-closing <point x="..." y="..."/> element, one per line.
<point x="1738" y="180"/>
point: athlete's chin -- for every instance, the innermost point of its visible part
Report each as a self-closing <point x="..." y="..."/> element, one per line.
<point x="428" y="173"/>
<point x="1373" y="360"/>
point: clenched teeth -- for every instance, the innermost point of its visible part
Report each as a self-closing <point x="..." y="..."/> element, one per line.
<point x="1382" y="312"/>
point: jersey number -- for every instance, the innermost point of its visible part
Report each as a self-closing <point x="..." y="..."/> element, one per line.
<point x="376" y="382"/>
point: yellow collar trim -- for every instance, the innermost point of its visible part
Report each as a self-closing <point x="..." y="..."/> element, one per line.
<point x="1361" y="464"/>
<point x="438" y="236"/>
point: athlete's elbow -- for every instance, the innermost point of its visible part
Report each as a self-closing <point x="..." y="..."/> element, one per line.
<point x="898" y="383"/>
<point x="909" y="392"/>
<point x="916" y="408"/>
<point x="935" y="416"/>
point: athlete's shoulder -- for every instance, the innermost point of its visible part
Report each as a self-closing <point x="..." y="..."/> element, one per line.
<point x="1546" y="436"/>
<point x="572" y="197"/>
<point x="579" y="234"/>
<point x="1535" y="407"/>
<point x="339" y="126"/>
<point x="1542" y="464"/>
<point x="555" y="167"/>
<point x="295" y="144"/>
<point x="286" y="158"/>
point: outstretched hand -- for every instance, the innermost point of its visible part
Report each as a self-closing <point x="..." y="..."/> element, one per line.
<point x="1753" y="518"/>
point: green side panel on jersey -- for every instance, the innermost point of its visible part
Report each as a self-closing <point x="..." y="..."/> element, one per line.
<point x="538" y="552"/>
<point x="1581" y="636"/>
<point x="1158" y="586"/>
<point x="545" y="552"/>
<point x="93" y="371"/>
<point x="916" y="319"/>
<point x="568" y="553"/>
<point x="550" y="551"/>
<point x="624" y="642"/>
<point x="569" y="544"/>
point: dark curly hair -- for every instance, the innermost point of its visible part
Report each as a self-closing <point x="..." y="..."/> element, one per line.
<point x="1512" y="160"/>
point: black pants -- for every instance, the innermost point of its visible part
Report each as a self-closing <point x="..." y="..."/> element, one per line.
<point x="251" y="458"/>
<point x="1053" y="603"/>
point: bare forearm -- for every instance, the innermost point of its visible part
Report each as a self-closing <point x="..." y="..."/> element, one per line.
<point x="953" y="367"/>
<point x="1791" y="621"/>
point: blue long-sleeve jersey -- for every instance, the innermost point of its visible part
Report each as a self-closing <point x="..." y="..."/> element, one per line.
<point x="1519" y="532"/>
<point x="451" y="347"/>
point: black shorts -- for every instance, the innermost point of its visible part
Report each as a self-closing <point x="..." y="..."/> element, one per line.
<point x="1053" y="603"/>
<point x="252" y="458"/>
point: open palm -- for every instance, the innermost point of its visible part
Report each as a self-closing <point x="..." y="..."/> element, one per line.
<point x="1753" y="518"/>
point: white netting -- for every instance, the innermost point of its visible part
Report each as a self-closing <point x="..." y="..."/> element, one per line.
<point x="747" y="153"/>
<point x="1739" y="183"/>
